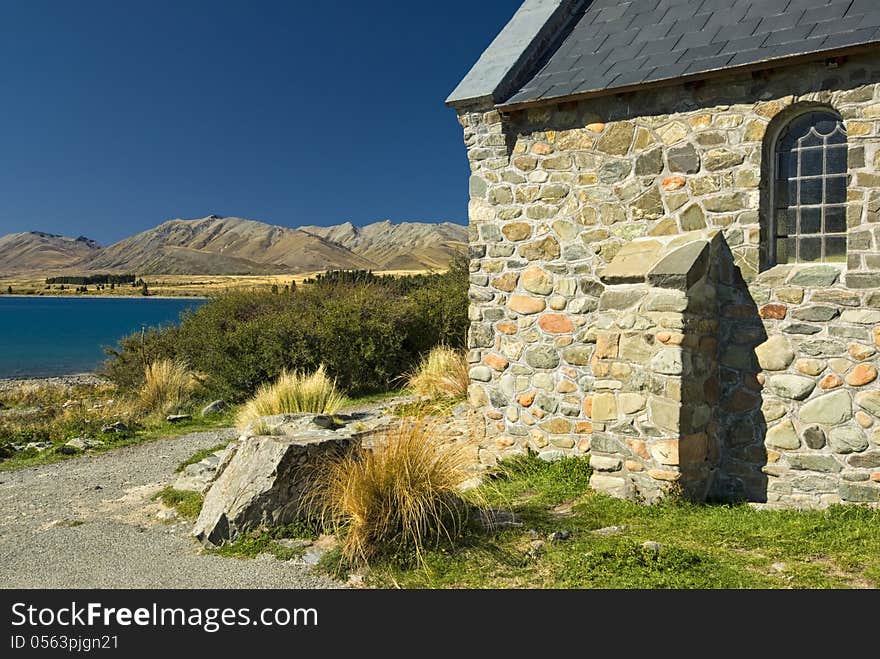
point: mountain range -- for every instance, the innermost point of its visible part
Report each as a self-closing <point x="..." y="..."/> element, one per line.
<point x="216" y="245"/>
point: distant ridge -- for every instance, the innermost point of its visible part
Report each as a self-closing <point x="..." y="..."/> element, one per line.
<point x="236" y="246"/>
<point x="36" y="251"/>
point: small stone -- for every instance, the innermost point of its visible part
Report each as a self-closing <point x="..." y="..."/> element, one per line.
<point x="861" y="316"/>
<point x="178" y="418"/>
<point x="652" y="546"/>
<point x="775" y="354"/>
<point x="609" y="530"/>
<point x="496" y="362"/>
<point x="166" y="515"/>
<point x="556" y="323"/>
<point x="546" y="249"/>
<point x="773" y="410"/>
<point x="517" y="231"/>
<point x="783" y="436"/>
<point x="684" y="159"/>
<point x="860" y="493"/>
<point x="816" y="314"/>
<point x="861" y="352"/>
<point x="542" y="356"/>
<point x="861" y="375"/>
<point x="480" y="374"/>
<point x="830" y="381"/>
<point x="671" y="183"/>
<point x="213" y="408"/>
<point x="819" y="276"/>
<point x="526" y="305"/>
<point x="864" y="420"/>
<point x="722" y="159"/>
<point x="559" y="536"/>
<point x="810" y="366"/>
<point x="537" y="280"/>
<point x="796" y="387"/>
<point x="814" y="437"/>
<point x="847" y="440"/>
<point x="869" y="401"/>
<point x="811" y="462"/>
<point x="773" y="311"/>
<point x="617" y="139"/>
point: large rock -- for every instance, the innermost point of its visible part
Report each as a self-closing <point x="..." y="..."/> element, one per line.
<point x="265" y="484"/>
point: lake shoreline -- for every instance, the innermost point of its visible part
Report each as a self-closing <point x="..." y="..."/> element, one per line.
<point x="72" y="380"/>
<point x="77" y="296"/>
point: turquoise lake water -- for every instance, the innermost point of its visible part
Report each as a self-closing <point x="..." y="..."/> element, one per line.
<point x="42" y="336"/>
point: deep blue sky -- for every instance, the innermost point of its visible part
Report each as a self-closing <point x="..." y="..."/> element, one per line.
<point x="118" y="115"/>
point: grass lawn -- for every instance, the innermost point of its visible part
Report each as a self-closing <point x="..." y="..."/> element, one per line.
<point x="703" y="546"/>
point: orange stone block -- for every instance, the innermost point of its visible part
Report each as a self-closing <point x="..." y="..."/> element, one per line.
<point x="773" y="311"/>
<point x="556" y="323"/>
<point x="527" y="399"/>
<point x="506" y="328"/>
<point x="830" y="381"/>
<point x="526" y="305"/>
<point x="606" y="345"/>
<point x="861" y="375"/>
<point x="542" y="149"/>
<point x="496" y="362"/>
<point x="671" y="183"/>
<point x="583" y="428"/>
<point x="588" y="406"/>
<point x="596" y="127"/>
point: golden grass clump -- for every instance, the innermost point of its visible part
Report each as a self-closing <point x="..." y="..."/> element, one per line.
<point x="442" y="374"/>
<point x="293" y="393"/>
<point x="169" y="385"/>
<point x="396" y="498"/>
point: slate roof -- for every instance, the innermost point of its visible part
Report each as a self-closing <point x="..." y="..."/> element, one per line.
<point x="620" y="43"/>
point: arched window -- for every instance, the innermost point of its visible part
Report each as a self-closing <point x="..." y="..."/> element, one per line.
<point x="809" y="194"/>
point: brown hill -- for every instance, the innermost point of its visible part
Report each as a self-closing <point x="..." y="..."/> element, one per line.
<point x="404" y="246"/>
<point x="35" y="251"/>
<point x="235" y="246"/>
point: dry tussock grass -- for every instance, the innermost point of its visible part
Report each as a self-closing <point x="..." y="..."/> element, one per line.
<point x="442" y="374"/>
<point x="293" y="393"/>
<point x="396" y="498"/>
<point x="169" y="385"/>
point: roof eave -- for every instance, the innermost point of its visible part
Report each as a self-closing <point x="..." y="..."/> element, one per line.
<point x="702" y="75"/>
<point x="528" y="36"/>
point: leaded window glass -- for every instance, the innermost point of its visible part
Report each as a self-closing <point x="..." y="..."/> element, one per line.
<point x="810" y="191"/>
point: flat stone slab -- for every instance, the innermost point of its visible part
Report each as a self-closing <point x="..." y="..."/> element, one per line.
<point x="681" y="268"/>
<point x="633" y="262"/>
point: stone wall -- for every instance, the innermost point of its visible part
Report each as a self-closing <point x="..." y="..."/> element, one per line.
<point x="557" y="192"/>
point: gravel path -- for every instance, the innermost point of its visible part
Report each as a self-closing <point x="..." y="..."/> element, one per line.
<point x="91" y="523"/>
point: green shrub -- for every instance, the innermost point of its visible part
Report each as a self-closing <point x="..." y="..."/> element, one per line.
<point x="368" y="331"/>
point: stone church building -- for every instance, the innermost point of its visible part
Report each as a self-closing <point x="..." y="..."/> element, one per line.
<point x="675" y="244"/>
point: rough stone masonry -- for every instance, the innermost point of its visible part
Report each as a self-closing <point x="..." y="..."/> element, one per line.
<point x="714" y="372"/>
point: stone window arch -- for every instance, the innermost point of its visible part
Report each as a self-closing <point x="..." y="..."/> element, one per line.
<point x="806" y="209"/>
